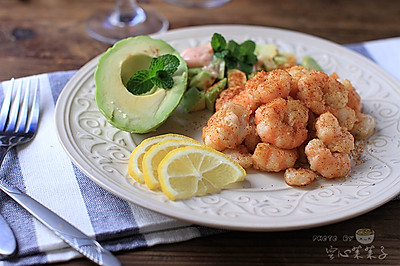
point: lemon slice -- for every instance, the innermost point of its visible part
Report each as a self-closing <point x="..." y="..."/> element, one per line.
<point x="135" y="169"/>
<point x="155" y="154"/>
<point x="197" y="170"/>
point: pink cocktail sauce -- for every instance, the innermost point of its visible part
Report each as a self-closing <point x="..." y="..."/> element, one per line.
<point x="198" y="56"/>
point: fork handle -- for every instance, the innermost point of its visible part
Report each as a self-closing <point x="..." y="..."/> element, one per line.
<point x="67" y="232"/>
<point x="8" y="244"/>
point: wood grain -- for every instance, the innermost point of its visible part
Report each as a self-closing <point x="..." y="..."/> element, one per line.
<point x="38" y="36"/>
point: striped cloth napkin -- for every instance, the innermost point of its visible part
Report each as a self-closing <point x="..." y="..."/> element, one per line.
<point x="43" y="170"/>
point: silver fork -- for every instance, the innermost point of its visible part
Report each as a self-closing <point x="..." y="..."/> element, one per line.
<point x="15" y="129"/>
<point x="18" y="123"/>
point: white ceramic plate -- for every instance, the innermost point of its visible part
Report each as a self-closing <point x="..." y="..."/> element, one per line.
<point x="263" y="202"/>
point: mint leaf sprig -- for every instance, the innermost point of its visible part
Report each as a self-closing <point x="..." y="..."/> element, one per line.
<point x="235" y="55"/>
<point x="159" y="74"/>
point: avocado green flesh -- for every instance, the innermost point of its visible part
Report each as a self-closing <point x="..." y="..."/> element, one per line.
<point x="202" y="80"/>
<point x="136" y="113"/>
<point x="213" y="92"/>
<point x="193" y="100"/>
<point x="265" y="53"/>
<point x="310" y="63"/>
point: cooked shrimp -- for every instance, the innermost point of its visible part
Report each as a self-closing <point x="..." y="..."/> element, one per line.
<point x="226" y="96"/>
<point x="282" y="122"/>
<point x="244" y="98"/>
<point x="237" y="95"/>
<point x="335" y="137"/>
<point x="227" y="128"/>
<point x="236" y="78"/>
<point x="266" y="86"/>
<point x="326" y="163"/>
<point x="296" y="72"/>
<point x="318" y="91"/>
<point x="252" y="138"/>
<point x="354" y="99"/>
<point x="364" y="127"/>
<point x="240" y="155"/>
<point x="335" y="76"/>
<point x="299" y="177"/>
<point x="346" y="116"/>
<point x="267" y="157"/>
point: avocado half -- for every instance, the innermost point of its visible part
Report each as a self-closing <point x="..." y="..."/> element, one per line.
<point x="136" y="113"/>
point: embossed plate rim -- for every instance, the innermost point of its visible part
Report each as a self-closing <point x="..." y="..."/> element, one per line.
<point x="177" y="209"/>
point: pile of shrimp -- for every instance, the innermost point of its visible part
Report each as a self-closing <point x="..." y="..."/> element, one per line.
<point x="303" y="122"/>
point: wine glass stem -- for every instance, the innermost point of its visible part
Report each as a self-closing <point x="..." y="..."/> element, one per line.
<point x="127" y="13"/>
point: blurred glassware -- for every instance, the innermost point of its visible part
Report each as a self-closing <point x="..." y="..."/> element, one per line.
<point x="198" y="3"/>
<point x="125" y="20"/>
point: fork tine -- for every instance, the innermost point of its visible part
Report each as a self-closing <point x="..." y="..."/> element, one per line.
<point x="23" y="113"/>
<point x="5" y="108"/>
<point x="34" y="113"/>
<point x="15" y="105"/>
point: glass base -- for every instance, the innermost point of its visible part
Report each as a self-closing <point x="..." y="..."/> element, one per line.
<point x="105" y="27"/>
<point x="198" y="3"/>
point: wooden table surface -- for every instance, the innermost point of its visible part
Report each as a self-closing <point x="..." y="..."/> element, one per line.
<point x="38" y="36"/>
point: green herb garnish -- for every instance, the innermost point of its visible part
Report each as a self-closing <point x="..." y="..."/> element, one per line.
<point x="235" y="55"/>
<point x="159" y="74"/>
